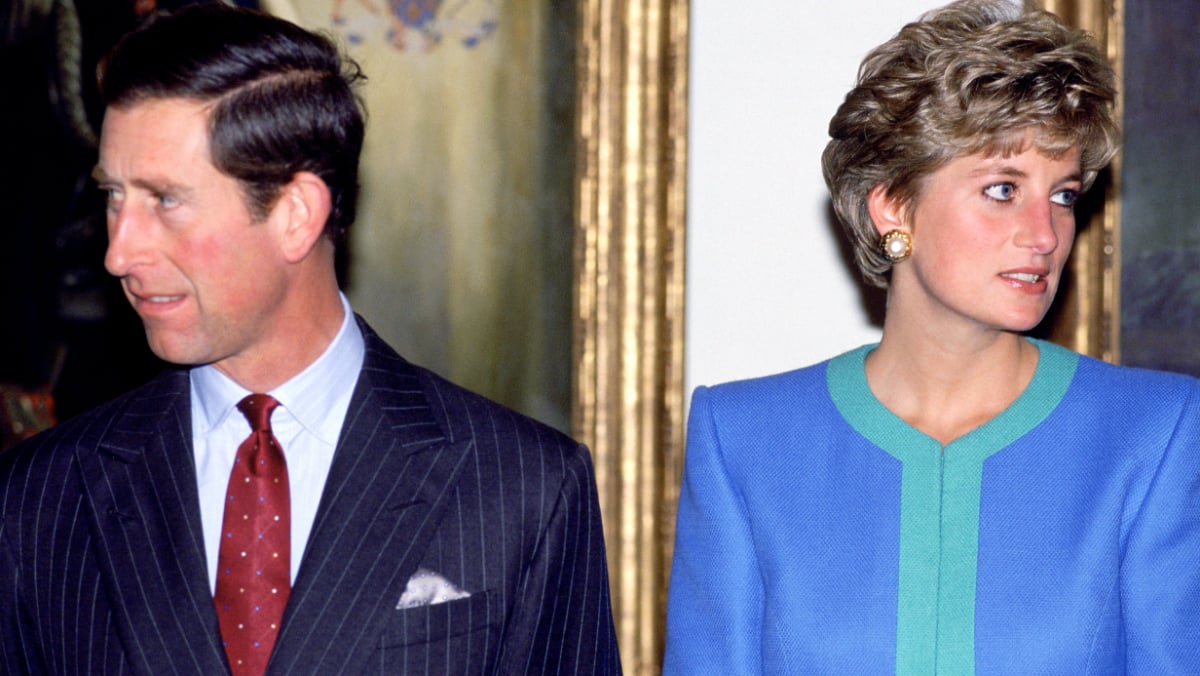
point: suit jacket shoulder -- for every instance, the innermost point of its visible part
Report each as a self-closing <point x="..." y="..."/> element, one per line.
<point x="157" y="396"/>
<point x="103" y="562"/>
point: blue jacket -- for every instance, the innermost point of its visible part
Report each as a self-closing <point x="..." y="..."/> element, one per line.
<point x="818" y="533"/>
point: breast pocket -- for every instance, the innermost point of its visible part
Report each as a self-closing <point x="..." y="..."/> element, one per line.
<point x="456" y="637"/>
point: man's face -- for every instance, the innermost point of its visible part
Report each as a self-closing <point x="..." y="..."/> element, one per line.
<point x="204" y="276"/>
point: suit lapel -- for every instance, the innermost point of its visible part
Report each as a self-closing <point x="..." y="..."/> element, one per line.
<point x="386" y="492"/>
<point x="140" y="483"/>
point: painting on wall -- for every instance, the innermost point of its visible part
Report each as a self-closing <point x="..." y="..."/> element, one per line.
<point x="1160" y="205"/>
<point x="461" y="256"/>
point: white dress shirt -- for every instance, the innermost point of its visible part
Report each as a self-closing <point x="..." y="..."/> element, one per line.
<point x="307" y="423"/>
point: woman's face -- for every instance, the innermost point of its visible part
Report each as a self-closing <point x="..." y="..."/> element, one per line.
<point x="991" y="235"/>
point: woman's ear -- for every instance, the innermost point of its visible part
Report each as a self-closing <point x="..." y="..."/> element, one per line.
<point x="304" y="206"/>
<point x="887" y="212"/>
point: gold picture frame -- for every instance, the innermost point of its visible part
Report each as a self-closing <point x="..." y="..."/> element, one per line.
<point x="629" y="280"/>
<point x="1087" y="314"/>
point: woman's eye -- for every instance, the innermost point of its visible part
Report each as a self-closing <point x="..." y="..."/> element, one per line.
<point x="1000" y="191"/>
<point x="1066" y="198"/>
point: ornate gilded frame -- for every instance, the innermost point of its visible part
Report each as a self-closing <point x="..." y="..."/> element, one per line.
<point x="629" y="270"/>
<point x="1088" y="317"/>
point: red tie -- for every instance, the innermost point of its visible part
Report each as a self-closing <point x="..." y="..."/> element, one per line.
<point x="253" y="567"/>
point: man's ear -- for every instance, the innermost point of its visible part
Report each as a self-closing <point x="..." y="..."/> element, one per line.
<point x="887" y="212"/>
<point x="303" y="206"/>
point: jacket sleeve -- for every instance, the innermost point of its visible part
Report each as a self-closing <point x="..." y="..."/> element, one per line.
<point x="18" y="640"/>
<point x="12" y="648"/>
<point x="562" y="622"/>
<point x="1160" y="570"/>
<point x="715" y="602"/>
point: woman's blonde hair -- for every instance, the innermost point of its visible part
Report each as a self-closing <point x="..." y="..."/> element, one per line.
<point x="974" y="76"/>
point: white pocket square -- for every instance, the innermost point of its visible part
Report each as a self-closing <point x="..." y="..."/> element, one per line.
<point x="426" y="588"/>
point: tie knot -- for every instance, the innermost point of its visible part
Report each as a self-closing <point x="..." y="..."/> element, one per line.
<point x="257" y="408"/>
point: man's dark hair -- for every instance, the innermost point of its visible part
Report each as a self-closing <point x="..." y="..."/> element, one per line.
<point x="283" y="98"/>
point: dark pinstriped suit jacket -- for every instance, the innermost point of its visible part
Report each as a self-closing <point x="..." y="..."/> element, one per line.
<point x="102" y="566"/>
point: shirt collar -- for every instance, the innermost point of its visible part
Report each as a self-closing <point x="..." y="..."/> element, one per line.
<point x="323" y="386"/>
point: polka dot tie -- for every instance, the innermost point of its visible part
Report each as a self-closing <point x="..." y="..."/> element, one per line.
<point x="253" y="566"/>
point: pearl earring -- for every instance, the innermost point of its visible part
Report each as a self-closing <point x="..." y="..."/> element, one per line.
<point x="896" y="245"/>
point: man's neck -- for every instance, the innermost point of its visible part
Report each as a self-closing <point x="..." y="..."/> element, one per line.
<point x="309" y="331"/>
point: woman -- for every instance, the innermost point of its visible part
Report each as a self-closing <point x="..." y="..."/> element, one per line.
<point x="957" y="498"/>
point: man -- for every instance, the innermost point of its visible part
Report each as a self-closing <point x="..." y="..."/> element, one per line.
<point x="408" y="526"/>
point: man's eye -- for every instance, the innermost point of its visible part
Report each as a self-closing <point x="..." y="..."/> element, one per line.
<point x="112" y="196"/>
<point x="1066" y="198"/>
<point x="1000" y="191"/>
<point x="167" y="201"/>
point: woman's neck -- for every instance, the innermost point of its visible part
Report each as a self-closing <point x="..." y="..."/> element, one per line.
<point x="947" y="384"/>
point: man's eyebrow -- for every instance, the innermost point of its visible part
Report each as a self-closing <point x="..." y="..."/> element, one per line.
<point x="101" y="177"/>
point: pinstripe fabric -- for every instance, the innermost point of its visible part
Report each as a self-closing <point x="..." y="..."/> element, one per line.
<point x="103" y="569"/>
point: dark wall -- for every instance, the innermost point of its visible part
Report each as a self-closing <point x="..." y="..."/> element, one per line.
<point x="64" y="324"/>
<point x="1160" y="202"/>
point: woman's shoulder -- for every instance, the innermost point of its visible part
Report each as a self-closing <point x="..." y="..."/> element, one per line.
<point x="1135" y="392"/>
<point x="1125" y="380"/>
<point x="784" y="388"/>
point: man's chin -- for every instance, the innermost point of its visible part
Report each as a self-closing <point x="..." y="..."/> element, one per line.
<point x="173" y="352"/>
